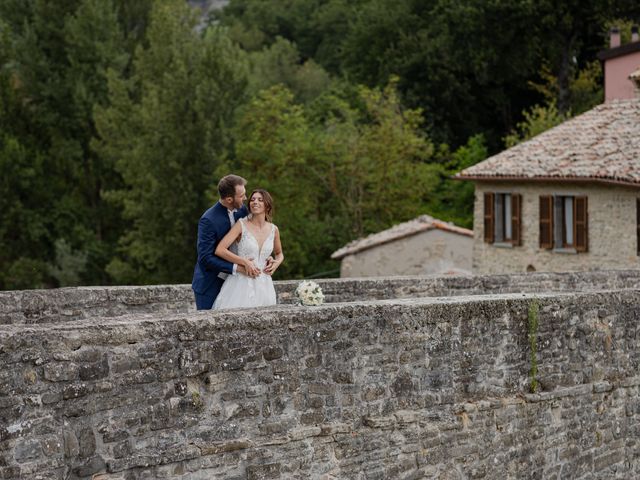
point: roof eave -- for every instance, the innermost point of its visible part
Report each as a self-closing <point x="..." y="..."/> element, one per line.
<point x="619" y="51"/>
<point x="541" y="178"/>
<point x="340" y="254"/>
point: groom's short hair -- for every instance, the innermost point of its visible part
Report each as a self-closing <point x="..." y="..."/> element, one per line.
<point x="227" y="185"/>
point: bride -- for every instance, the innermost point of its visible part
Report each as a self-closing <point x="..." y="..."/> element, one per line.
<point x="257" y="238"/>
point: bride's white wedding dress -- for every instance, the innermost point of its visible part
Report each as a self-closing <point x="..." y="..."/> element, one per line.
<point x="241" y="290"/>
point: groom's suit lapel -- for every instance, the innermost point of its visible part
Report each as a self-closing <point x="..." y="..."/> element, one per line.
<point x="223" y="216"/>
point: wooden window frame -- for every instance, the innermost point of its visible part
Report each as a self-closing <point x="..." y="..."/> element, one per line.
<point x="490" y="218"/>
<point x="546" y="217"/>
<point x="551" y="217"/>
<point x="581" y="223"/>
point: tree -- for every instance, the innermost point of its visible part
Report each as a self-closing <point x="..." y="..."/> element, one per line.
<point x="281" y="64"/>
<point x="571" y="33"/>
<point x="452" y="200"/>
<point x="340" y="168"/>
<point x="276" y="149"/>
<point x="55" y="58"/>
<point x="166" y="131"/>
<point x="536" y="121"/>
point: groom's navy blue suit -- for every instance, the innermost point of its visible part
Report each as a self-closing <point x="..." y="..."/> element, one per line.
<point x="212" y="227"/>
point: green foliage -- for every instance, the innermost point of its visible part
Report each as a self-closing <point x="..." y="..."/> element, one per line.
<point x="376" y="159"/>
<point x="586" y="88"/>
<point x="585" y="92"/>
<point x="69" y="265"/>
<point x="536" y="121"/>
<point x="24" y="273"/>
<point x="165" y="131"/>
<point x="337" y="170"/>
<point x="281" y="64"/>
<point x="117" y="117"/>
<point x="451" y="61"/>
<point x="275" y="150"/>
<point x="453" y="199"/>
<point x="54" y="74"/>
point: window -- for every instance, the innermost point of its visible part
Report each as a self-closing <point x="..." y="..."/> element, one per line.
<point x="502" y="218"/>
<point x="563" y="222"/>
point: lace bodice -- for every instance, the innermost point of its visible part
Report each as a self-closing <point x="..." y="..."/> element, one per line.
<point x="248" y="245"/>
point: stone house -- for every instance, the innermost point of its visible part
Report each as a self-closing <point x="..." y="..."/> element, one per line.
<point x="568" y="199"/>
<point x="421" y="246"/>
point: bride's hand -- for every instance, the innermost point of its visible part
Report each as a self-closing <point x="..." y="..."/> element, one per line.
<point x="250" y="268"/>
<point x="271" y="266"/>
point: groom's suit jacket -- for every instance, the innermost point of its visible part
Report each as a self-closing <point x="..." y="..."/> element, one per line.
<point x="212" y="227"/>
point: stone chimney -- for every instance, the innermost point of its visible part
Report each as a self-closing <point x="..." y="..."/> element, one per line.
<point x="620" y="65"/>
<point x="614" y="37"/>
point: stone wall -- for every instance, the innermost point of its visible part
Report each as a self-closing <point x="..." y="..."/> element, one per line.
<point x="409" y="388"/>
<point x="612" y="230"/>
<point x="71" y="304"/>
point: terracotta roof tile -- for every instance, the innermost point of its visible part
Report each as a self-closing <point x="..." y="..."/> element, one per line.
<point x="406" y="229"/>
<point x="602" y="144"/>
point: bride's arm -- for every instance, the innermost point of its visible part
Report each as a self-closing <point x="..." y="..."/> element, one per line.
<point x="279" y="256"/>
<point x="245" y="265"/>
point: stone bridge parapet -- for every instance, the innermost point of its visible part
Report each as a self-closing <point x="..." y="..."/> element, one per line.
<point x="76" y="303"/>
<point x="417" y="387"/>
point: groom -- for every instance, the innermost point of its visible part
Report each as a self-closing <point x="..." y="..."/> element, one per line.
<point x="210" y="271"/>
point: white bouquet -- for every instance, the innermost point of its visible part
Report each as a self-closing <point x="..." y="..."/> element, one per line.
<point x="310" y="293"/>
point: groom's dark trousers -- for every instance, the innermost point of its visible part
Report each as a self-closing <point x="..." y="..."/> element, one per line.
<point x="207" y="281"/>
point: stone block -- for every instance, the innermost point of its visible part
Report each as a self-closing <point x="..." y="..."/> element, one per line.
<point x="231" y="446"/>
<point x="90" y="466"/>
<point x="28" y="449"/>
<point x="95" y="370"/>
<point x="312" y="418"/>
<point x="272" y="353"/>
<point x="373" y="392"/>
<point x="263" y="472"/>
<point x="61" y="371"/>
<point x="322" y="388"/>
<point x="122" y="449"/>
<point x="86" y="442"/>
<point x="342" y="377"/>
<point x="71" y="445"/>
<point x="75" y="390"/>
<point x="52" y="446"/>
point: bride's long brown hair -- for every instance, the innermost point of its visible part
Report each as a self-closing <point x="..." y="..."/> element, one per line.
<point x="268" y="203"/>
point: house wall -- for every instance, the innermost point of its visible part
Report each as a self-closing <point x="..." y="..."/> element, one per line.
<point x="616" y="76"/>
<point x="430" y="252"/>
<point x="612" y="230"/>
